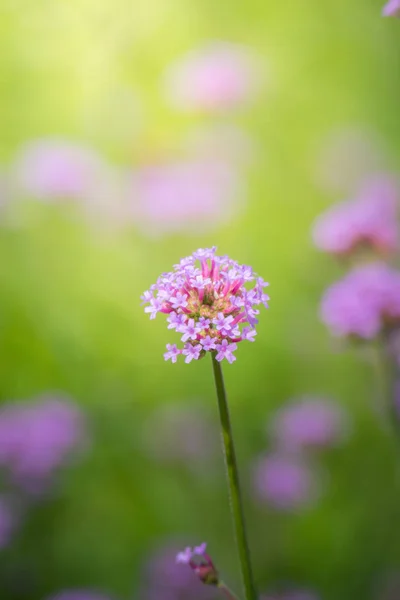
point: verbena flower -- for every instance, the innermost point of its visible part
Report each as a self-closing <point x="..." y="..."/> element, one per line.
<point x="36" y="438"/>
<point x="207" y="302"/>
<point x="220" y="76"/>
<point x="285" y="482"/>
<point x="200" y="562"/>
<point x="391" y="9"/>
<point x="165" y="578"/>
<point x="53" y="169"/>
<point x="368" y="221"/>
<point x="309" y="423"/>
<point x="364" y="302"/>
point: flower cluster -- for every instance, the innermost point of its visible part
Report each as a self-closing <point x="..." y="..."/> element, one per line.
<point x="365" y="301"/>
<point x="368" y="221"/>
<point x="36" y="438"/>
<point x="200" y="562"/>
<point x="210" y="306"/>
<point x="391" y="9"/>
<point x="166" y="578"/>
<point x="309" y="423"/>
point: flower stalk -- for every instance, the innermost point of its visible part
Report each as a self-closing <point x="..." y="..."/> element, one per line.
<point x="235" y="496"/>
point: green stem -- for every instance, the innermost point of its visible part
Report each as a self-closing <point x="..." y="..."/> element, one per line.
<point x="228" y="592"/>
<point x="233" y="484"/>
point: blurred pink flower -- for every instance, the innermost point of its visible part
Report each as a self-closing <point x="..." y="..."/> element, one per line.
<point x="363" y="301"/>
<point x="36" y="438"/>
<point x="285" y="482"/>
<point x="219" y="76"/>
<point x="309" y="422"/>
<point x="166" y="579"/>
<point x="192" y="195"/>
<point x="367" y="221"/>
<point x="54" y="169"/>
<point x="391" y="9"/>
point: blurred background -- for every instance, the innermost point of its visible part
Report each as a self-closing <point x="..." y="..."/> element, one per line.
<point x="131" y="135"/>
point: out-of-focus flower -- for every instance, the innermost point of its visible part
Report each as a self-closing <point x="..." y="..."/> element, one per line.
<point x="177" y="433"/>
<point x="391" y="9"/>
<point x="309" y="423"/>
<point x="7" y="522"/>
<point x="165" y="578"/>
<point x="36" y="438"/>
<point x="368" y="221"/>
<point x="346" y="157"/>
<point x="57" y="169"/>
<point x="363" y="302"/>
<point x="208" y="305"/>
<point x="187" y="195"/>
<point x="200" y="563"/>
<point x="285" y="482"/>
<point x="219" y="76"/>
<point x="78" y="595"/>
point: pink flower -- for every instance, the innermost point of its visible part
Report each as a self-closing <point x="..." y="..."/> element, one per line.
<point x="391" y="9"/>
<point x="219" y="76"/>
<point x="368" y="221"/>
<point x="285" y="482"/>
<point x="52" y="169"/>
<point x="200" y="562"/>
<point x="189" y="195"/>
<point x="210" y="301"/>
<point x="364" y="301"/>
<point x="309" y="422"/>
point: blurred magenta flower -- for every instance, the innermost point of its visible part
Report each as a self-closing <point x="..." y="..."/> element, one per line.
<point x="285" y="482"/>
<point x="181" y="434"/>
<point x="78" y="595"/>
<point x="309" y="423"/>
<point x="57" y="169"/>
<point x="36" y="438"/>
<point x="188" y="195"/>
<point x="207" y="305"/>
<point x="391" y="9"/>
<point x="166" y="579"/>
<point x="368" y="221"/>
<point x="219" y="76"/>
<point x="7" y="521"/>
<point x="363" y="302"/>
<point x="200" y="563"/>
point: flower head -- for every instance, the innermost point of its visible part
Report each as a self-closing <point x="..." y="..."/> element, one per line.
<point x="368" y="221"/>
<point x="220" y="76"/>
<point x="207" y="304"/>
<point x="36" y="438"/>
<point x="200" y="562"/>
<point x="165" y="578"/>
<point x="309" y="423"/>
<point x="391" y="9"/>
<point x="363" y="302"/>
<point x="285" y="482"/>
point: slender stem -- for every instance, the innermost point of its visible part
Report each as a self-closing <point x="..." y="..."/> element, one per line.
<point x="228" y="592"/>
<point x="233" y="484"/>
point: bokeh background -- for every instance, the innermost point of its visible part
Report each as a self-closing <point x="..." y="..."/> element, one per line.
<point x="131" y="135"/>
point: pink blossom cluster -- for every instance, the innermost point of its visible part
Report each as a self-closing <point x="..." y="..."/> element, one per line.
<point x="367" y="221"/>
<point x="36" y="438"/>
<point x="362" y="303"/>
<point x="391" y="9"/>
<point x="208" y="305"/>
